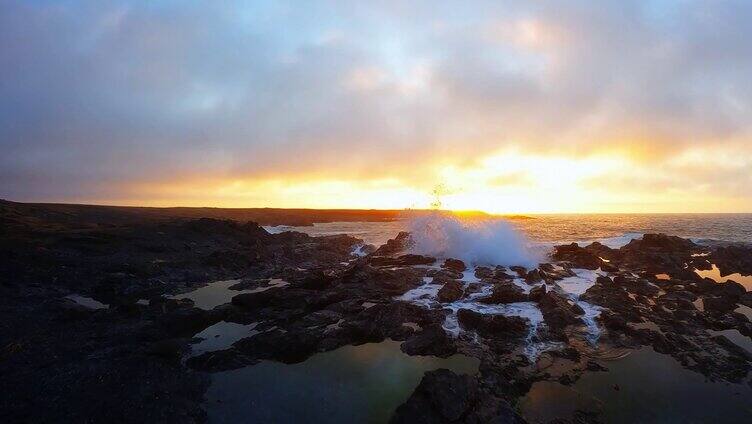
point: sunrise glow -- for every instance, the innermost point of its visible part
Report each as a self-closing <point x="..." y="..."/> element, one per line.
<point x="509" y="109"/>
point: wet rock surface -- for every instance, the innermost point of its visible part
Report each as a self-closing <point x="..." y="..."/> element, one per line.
<point x="306" y="295"/>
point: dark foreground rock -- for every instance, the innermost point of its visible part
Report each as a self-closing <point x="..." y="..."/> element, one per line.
<point x="445" y="397"/>
<point x="129" y="357"/>
<point x="493" y="325"/>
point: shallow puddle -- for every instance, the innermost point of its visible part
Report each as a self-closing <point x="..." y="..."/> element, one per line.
<point x="578" y="284"/>
<point x="744" y="310"/>
<point x="362" y="384"/>
<point x="715" y="275"/>
<point x="221" y="336"/>
<point x="699" y="304"/>
<point x="736" y="337"/>
<point x="87" y="301"/>
<point x="219" y="292"/>
<point x="651" y="388"/>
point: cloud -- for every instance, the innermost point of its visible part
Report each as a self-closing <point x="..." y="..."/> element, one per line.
<point x="97" y="97"/>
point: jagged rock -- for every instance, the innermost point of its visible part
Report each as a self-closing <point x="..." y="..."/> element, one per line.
<point x="520" y="270"/>
<point x="441" y="396"/>
<point x="558" y="312"/>
<point x="731" y="259"/>
<point x="602" y="251"/>
<point x="746" y="299"/>
<point x="455" y="265"/>
<point x="730" y="289"/>
<point x="266" y="298"/>
<point x="594" y="366"/>
<point x="660" y="242"/>
<point x="451" y="291"/>
<point x="70" y="310"/>
<point x="537" y="293"/>
<point x="432" y="341"/>
<point x="187" y="321"/>
<point x="533" y="277"/>
<point x="614" y="297"/>
<point x="505" y="293"/>
<point x="318" y="280"/>
<point x="657" y="253"/>
<point x="380" y="282"/>
<point x="404" y="260"/>
<point x="168" y="349"/>
<point x="577" y="256"/>
<point x="604" y="280"/>
<point x="395" y="245"/>
<point x="719" y="304"/>
<point x="444" y="274"/>
<point x="493" y="325"/>
<point x="482" y="272"/>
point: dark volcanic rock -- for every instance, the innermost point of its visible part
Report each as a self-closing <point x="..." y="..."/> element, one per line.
<point x="657" y="253"/>
<point x="537" y="293"/>
<point x="431" y="341"/>
<point x="493" y="325"/>
<point x="455" y="265"/>
<point x="558" y="312"/>
<point x="482" y="272"/>
<point x="271" y="297"/>
<point x="719" y="304"/>
<point x="445" y="397"/>
<point x="660" y="242"/>
<point x="729" y="289"/>
<point x="505" y="293"/>
<point x="395" y="245"/>
<point x="534" y="276"/>
<point x="376" y="283"/>
<point x="732" y="259"/>
<point x="746" y="299"/>
<point x="602" y="251"/>
<point x="87" y="360"/>
<point x="70" y="310"/>
<point x="451" y="291"/>
<point x="614" y="297"/>
<point x="577" y="256"/>
<point x="404" y="260"/>
<point x="520" y="270"/>
<point x="441" y="396"/>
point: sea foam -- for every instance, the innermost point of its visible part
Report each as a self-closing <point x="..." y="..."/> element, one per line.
<point x="478" y="241"/>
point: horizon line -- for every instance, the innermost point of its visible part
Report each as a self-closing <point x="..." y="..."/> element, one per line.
<point x="458" y="211"/>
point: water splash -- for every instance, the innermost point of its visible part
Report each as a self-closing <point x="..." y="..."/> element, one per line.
<point x="576" y="286"/>
<point x="480" y="241"/>
<point x="358" y="250"/>
<point x="426" y="296"/>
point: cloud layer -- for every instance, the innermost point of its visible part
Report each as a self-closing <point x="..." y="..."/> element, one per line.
<point x="248" y="104"/>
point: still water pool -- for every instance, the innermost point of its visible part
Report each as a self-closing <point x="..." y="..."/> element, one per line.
<point x="352" y="384"/>
<point x="643" y="387"/>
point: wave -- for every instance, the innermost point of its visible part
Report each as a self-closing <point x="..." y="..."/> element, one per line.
<point x="478" y="241"/>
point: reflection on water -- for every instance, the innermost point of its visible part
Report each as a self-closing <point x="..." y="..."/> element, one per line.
<point x="744" y="310"/>
<point x="222" y="335"/>
<point x="87" y="301"/>
<point x="715" y="275"/>
<point x="614" y="230"/>
<point x="736" y="337"/>
<point x="348" y="385"/>
<point x="651" y="388"/>
<point x="212" y="294"/>
<point x="376" y="233"/>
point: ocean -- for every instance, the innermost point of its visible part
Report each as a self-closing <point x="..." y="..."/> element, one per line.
<point x="614" y="230"/>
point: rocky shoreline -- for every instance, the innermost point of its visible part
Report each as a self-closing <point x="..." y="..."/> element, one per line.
<point x="132" y="361"/>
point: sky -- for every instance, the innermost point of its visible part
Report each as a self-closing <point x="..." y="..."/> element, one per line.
<point x="501" y="106"/>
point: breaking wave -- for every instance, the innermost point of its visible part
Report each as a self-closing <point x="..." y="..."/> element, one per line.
<point x="480" y="241"/>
